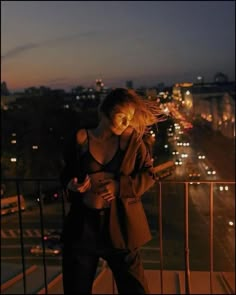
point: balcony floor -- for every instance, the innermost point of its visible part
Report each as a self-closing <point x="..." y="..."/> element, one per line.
<point x="173" y="282"/>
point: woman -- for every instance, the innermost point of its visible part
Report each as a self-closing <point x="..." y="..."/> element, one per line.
<point x="107" y="170"/>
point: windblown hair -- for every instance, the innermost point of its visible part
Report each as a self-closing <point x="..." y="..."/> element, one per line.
<point x="146" y="112"/>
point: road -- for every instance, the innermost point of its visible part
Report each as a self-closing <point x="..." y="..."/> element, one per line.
<point x="10" y="233"/>
<point x="220" y="150"/>
<point x="223" y="206"/>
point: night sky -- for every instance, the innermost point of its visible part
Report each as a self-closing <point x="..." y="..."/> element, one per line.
<point x="61" y="44"/>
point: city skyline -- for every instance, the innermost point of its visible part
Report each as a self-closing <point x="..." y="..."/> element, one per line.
<point x="61" y="44"/>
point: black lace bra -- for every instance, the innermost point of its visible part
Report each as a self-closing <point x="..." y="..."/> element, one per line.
<point x="90" y="165"/>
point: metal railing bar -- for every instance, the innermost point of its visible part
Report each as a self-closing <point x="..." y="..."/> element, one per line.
<point x="63" y="203"/>
<point x="211" y="207"/>
<point x="161" y="236"/>
<point x="42" y="236"/>
<point x="21" y="235"/>
<point x="159" y="181"/>
<point x="187" y="270"/>
<point x="35" y="179"/>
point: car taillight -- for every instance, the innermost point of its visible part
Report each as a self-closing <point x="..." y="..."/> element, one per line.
<point x="55" y="195"/>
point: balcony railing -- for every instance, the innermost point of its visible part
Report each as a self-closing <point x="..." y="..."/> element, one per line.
<point x="171" y="196"/>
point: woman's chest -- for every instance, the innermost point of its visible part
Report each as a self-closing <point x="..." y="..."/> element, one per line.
<point x="103" y="152"/>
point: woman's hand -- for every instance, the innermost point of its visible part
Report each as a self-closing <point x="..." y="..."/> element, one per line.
<point x="74" y="186"/>
<point x="108" y="189"/>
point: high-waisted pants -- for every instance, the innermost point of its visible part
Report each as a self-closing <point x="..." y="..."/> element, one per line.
<point x="81" y="257"/>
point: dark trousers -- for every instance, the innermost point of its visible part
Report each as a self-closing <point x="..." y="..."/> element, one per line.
<point x="80" y="259"/>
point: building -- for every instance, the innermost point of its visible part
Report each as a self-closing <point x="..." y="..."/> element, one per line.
<point x="212" y="104"/>
<point x="129" y="84"/>
<point x="99" y="85"/>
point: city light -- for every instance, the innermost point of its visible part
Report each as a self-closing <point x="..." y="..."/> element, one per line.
<point x="231" y="223"/>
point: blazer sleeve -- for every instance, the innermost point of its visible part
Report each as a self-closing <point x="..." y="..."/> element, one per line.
<point x="141" y="178"/>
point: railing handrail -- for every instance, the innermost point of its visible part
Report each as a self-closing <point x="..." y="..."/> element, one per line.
<point x="230" y="181"/>
<point x="30" y="179"/>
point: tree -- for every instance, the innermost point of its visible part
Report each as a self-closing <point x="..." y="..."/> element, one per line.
<point x="4" y="89"/>
<point x="78" y="89"/>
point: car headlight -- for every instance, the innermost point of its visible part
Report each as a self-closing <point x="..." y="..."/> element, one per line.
<point x="231" y="223"/>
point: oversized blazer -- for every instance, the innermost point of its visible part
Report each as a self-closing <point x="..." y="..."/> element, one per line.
<point x="128" y="226"/>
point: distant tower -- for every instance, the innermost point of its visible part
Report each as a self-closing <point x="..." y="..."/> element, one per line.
<point x="220" y="78"/>
<point x="129" y="84"/>
<point x="200" y="79"/>
<point x="99" y="85"/>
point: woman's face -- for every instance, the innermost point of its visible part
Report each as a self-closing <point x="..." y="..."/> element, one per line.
<point x="121" y="119"/>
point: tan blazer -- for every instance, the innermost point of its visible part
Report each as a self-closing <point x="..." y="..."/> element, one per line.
<point x="128" y="223"/>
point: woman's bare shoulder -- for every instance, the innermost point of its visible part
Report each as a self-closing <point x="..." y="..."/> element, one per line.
<point x="81" y="136"/>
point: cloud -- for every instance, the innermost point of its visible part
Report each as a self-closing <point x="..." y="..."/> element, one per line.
<point x="31" y="46"/>
<point x="19" y="50"/>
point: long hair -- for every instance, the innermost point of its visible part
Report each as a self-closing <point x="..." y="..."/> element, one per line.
<point x="146" y="113"/>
